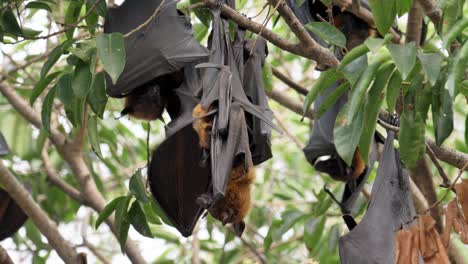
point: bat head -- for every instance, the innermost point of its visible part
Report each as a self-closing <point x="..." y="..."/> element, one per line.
<point x="146" y="104"/>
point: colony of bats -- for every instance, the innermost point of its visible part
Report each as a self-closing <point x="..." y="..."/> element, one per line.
<point x="221" y="125"/>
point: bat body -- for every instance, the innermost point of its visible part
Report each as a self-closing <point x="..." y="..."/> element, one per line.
<point x="390" y="207"/>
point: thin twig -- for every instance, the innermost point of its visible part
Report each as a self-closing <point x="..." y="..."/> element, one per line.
<point x="286" y="130"/>
<point x="452" y="186"/>
<point x="441" y="171"/>
<point x="151" y="18"/>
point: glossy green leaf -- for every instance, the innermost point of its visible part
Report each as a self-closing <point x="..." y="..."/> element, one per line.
<point x="121" y="220"/>
<point x="451" y="11"/>
<point x="404" y="57"/>
<point x="431" y="64"/>
<point x="46" y="112"/>
<point x="444" y="126"/>
<point x="331" y="99"/>
<point x="372" y="107"/>
<point x="41" y="85"/>
<point x="411" y="137"/>
<point x="463" y="88"/>
<point x="93" y="135"/>
<point x="54" y="56"/>
<point x="38" y="5"/>
<point x="97" y="97"/>
<point x="457" y="70"/>
<point x="352" y="55"/>
<point x="108" y="210"/>
<point x="384" y="14"/>
<point x="403" y="6"/>
<point x="328" y="33"/>
<point x="111" y="52"/>
<point x="393" y="90"/>
<point x="137" y="187"/>
<point x="9" y="23"/>
<point x="151" y="216"/>
<point x="352" y="72"/>
<point x="203" y="14"/>
<point x="72" y="15"/>
<point x="137" y="219"/>
<point x="82" y="80"/>
<point x="325" y="81"/>
<point x="64" y="89"/>
<point x="313" y="229"/>
<point x="160" y="212"/>
<point x="347" y="133"/>
<point x="454" y="32"/>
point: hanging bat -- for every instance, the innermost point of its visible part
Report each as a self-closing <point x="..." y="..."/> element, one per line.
<point x="220" y="122"/>
<point x="153" y="65"/>
<point x="176" y="176"/>
<point x="390" y="207"/>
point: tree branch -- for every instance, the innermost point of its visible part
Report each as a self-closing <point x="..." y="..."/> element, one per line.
<point x="74" y="157"/>
<point x="285" y="79"/>
<point x="322" y="56"/>
<point x="414" y="24"/>
<point x="289" y="103"/>
<point x="4" y="258"/>
<point x="433" y="11"/>
<point x="39" y="217"/>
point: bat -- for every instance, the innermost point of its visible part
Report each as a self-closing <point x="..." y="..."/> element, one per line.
<point x="12" y="217"/>
<point x="176" y="176"/>
<point x="220" y="122"/>
<point x="322" y="154"/>
<point x="390" y="207"/>
<point x="255" y="53"/>
<point x="153" y="64"/>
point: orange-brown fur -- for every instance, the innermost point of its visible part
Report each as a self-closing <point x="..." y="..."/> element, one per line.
<point x="141" y="107"/>
<point x="359" y="165"/>
<point x="236" y="203"/>
<point x="202" y="125"/>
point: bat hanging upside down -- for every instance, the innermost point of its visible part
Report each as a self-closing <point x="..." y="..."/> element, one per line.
<point x="234" y="206"/>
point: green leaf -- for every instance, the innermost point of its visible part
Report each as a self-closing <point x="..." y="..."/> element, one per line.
<point x="9" y="24"/>
<point x="137" y="187"/>
<point x="160" y="212"/>
<point x="71" y="16"/>
<point x="121" y="220"/>
<point x="64" y="89"/>
<point x="38" y="5"/>
<point x="328" y="33"/>
<point x="403" y="6"/>
<point x="334" y="236"/>
<point x="347" y="132"/>
<point x="331" y="99"/>
<point x="374" y="101"/>
<point x="352" y="72"/>
<point x="41" y="85"/>
<point x="404" y="57"/>
<point x="457" y="70"/>
<point x="200" y="31"/>
<point x="431" y="64"/>
<point x="97" y="97"/>
<point x="108" y="210"/>
<point x="352" y="55"/>
<point x="444" y="126"/>
<point x="47" y="109"/>
<point x="313" y="230"/>
<point x="138" y="220"/>
<point x="393" y="90"/>
<point x="30" y="33"/>
<point x="463" y="88"/>
<point x="55" y="56"/>
<point x="94" y="136"/>
<point x="384" y="14"/>
<point x="101" y="8"/>
<point x="325" y="80"/>
<point x="267" y="76"/>
<point x="82" y="80"/>
<point x="111" y="52"/>
<point x="412" y="141"/>
<point x="454" y="32"/>
<point x="151" y="215"/>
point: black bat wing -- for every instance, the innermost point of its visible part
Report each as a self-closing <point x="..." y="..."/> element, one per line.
<point x="390" y="207"/>
<point x="12" y="217"/>
<point x="165" y="45"/>
<point x="4" y="149"/>
<point x="177" y="179"/>
<point x="260" y="144"/>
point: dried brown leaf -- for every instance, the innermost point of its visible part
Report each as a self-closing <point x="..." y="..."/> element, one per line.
<point x="407" y="246"/>
<point x="462" y="196"/>
<point x="431" y="247"/>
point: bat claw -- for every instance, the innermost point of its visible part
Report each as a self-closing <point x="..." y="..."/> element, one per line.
<point x="205" y="201"/>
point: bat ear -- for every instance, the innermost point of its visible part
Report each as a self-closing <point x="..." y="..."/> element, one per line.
<point x="349" y="221"/>
<point x="124" y="112"/>
<point x="239" y="228"/>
